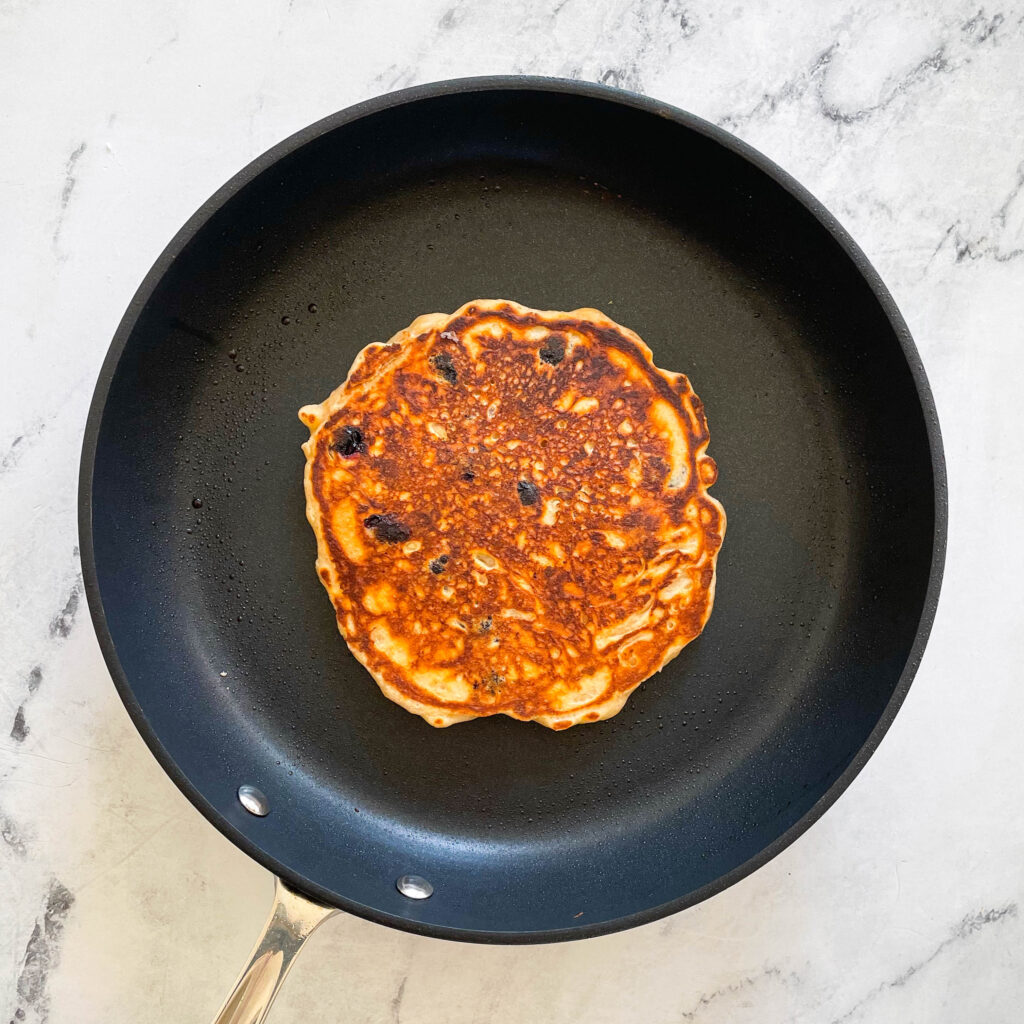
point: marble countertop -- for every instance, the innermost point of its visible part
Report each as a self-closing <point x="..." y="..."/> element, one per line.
<point x="120" y="902"/>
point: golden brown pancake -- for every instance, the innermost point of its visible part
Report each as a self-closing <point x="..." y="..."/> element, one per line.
<point x="512" y="513"/>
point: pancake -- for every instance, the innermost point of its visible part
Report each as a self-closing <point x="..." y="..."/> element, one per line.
<point x="512" y="514"/>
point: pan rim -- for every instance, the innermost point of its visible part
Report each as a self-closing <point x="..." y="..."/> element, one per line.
<point x="429" y="91"/>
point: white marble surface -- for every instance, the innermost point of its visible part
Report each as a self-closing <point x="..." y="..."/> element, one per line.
<point x="118" y="118"/>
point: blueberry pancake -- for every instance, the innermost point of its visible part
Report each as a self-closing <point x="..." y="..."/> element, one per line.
<point x="512" y="513"/>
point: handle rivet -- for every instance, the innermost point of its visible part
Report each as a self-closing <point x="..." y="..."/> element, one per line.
<point x="414" y="887"/>
<point x="254" y="801"/>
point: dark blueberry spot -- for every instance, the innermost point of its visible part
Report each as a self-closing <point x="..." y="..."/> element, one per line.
<point x="387" y="528"/>
<point x="468" y="474"/>
<point x="443" y="559"/>
<point x="528" y="493"/>
<point x="438" y="564"/>
<point x="443" y="365"/>
<point x="493" y="682"/>
<point x="553" y="351"/>
<point x="485" y="625"/>
<point x="349" y="441"/>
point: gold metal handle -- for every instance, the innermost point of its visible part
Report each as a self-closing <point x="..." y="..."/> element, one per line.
<point x="293" y="918"/>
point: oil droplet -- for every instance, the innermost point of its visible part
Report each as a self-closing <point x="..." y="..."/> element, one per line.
<point x="197" y="502"/>
<point x="286" y="320"/>
<point x="312" y="307"/>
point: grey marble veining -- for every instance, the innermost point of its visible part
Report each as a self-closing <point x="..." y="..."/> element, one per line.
<point x="906" y="119"/>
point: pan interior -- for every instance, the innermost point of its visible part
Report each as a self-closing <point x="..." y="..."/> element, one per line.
<point x="228" y="643"/>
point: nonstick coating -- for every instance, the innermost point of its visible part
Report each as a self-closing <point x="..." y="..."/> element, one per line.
<point x="223" y="643"/>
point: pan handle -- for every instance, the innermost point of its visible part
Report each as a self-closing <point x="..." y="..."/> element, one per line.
<point x="293" y="918"/>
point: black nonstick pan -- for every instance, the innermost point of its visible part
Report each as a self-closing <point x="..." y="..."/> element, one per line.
<point x="199" y="562"/>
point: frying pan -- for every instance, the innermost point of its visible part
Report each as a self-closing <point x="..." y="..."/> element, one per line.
<point x="198" y="561"/>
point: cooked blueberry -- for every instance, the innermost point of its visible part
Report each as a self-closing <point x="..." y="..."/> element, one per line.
<point x="492" y="683"/>
<point x="349" y="441"/>
<point x="553" y="351"/>
<point x="387" y="528"/>
<point x="443" y="365"/>
<point x="528" y="493"/>
<point x="485" y="625"/>
<point x="438" y="564"/>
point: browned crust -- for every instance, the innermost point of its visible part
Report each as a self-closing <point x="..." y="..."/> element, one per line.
<point x="392" y="395"/>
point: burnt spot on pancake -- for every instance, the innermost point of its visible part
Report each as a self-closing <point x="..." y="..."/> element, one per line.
<point x="348" y="441"/>
<point x="438" y="565"/>
<point x="528" y="492"/>
<point x="553" y="351"/>
<point x="444" y="367"/>
<point x="388" y="528"/>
